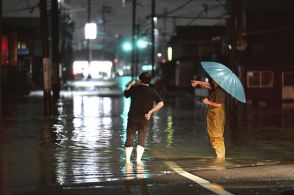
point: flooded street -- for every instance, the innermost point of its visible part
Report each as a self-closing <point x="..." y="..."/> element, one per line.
<point x="80" y="150"/>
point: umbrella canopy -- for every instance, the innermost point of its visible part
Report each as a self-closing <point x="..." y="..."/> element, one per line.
<point x="225" y="78"/>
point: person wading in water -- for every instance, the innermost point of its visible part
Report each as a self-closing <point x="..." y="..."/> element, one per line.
<point x="215" y="115"/>
<point x="142" y="107"/>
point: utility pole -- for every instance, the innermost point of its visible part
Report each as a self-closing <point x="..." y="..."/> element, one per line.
<point x="46" y="60"/>
<point x="137" y="54"/>
<point x="88" y="40"/>
<point x="104" y="11"/>
<point x="1" y="61"/>
<point x="55" y="50"/>
<point x="235" y="25"/>
<point x="164" y="23"/>
<point x="134" y="39"/>
<point x="152" y="37"/>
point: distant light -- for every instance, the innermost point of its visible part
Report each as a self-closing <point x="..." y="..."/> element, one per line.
<point x="90" y="31"/>
<point x="155" y="19"/>
<point x="141" y="43"/>
<point x="230" y="47"/>
<point x="120" y="72"/>
<point x="126" y="67"/>
<point x="217" y="38"/>
<point x="163" y="61"/>
<point x="146" y="67"/>
<point x="100" y="69"/>
<point x="79" y="67"/>
<point x="115" y="60"/>
<point x="96" y="69"/>
<point x="156" y="32"/>
<point x="169" y="53"/>
<point x="159" y="55"/>
<point x="127" y="46"/>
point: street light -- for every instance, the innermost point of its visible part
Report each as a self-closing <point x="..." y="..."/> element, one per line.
<point x="90" y="34"/>
<point x="90" y="31"/>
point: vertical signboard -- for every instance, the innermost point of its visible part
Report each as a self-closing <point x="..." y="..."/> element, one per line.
<point x="47" y="74"/>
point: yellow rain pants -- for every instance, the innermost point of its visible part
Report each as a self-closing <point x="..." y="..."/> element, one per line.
<point x="215" y="118"/>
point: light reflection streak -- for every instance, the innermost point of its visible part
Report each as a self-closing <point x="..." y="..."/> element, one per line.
<point x="82" y="152"/>
<point x="136" y="171"/>
<point x="142" y="173"/>
<point x="170" y="131"/>
<point x="155" y="128"/>
<point x="123" y="136"/>
<point x="59" y="129"/>
<point x="126" y="106"/>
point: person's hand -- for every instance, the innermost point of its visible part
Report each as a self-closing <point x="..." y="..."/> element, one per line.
<point x="148" y="116"/>
<point x="130" y="84"/>
<point x="194" y="83"/>
<point x="205" y="101"/>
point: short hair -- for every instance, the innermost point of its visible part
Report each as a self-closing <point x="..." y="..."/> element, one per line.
<point x="145" y="77"/>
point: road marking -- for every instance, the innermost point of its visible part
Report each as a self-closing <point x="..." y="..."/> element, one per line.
<point x="218" y="189"/>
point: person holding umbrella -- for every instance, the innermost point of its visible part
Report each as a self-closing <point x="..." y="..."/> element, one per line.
<point x="215" y="115"/>
<point x="142" y="107"/>
<point x="223" y="81"/>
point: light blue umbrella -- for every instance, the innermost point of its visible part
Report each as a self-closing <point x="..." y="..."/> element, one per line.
<point x="225" y="78"/>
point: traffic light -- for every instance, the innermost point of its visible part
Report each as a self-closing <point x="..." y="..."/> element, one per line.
<point x="141" y="43"/>
<point x="127" y="46"/>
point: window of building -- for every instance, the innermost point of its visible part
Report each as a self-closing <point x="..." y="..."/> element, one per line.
<point x="288" y="78"/>
<point x="260" y="79"/>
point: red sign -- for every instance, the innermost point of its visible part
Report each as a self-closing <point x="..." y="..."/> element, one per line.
<point x="4" y="46"/>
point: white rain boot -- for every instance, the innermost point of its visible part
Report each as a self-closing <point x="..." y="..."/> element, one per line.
<point x="128" y="154"/>
<point x="140" y="151"/>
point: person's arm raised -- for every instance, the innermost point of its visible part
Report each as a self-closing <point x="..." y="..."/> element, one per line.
<point x="194" y="83"/>
<point x="130" y="85"/>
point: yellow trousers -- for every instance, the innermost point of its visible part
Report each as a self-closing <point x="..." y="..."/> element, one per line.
<point x="215" y="119"/>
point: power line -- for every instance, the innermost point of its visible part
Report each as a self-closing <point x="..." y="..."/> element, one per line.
<point x="205" y="9"/>
<point x="180" y="7"/>
<point x="167" y="13"/>
<point x="30" y="9"/>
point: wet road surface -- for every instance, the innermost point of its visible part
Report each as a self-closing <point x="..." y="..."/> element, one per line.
<point x="80" y="150"/>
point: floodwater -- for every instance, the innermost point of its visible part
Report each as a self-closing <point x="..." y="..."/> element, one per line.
<point x="83" y="143"/>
